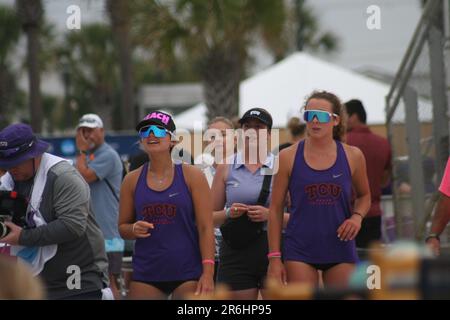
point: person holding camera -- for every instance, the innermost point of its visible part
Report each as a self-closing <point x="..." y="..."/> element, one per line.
<point x="60" y="239"/>
<point x="100" y="165"/>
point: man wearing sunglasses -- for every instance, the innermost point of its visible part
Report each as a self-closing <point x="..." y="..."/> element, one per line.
<point x="62" y="242"/>
<point x="101" y="167"/>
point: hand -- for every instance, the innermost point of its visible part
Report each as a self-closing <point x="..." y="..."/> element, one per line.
<point x="258" y="213"/>
<point x="434" y="245"/>
<point x="13" y="236"/>
<point x="140" y="229"/>
<point x="349" y="228"/>
<point x="277" y="271"/>
<point x="80" y="140"/>
<point x="237" y="210"/>
<point x="205" y="285"/>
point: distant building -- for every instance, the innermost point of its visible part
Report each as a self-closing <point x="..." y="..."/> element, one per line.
<point x="174" y="98"/>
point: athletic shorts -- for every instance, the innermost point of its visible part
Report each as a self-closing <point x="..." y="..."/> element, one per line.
<point x="114" y="262"/>
<point x="245" y="268"/>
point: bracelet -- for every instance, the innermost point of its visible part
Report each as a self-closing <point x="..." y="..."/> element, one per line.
<point x="228" y="212"/>
<point x="433" y="235"/>
<point x="82" y="152"/>
<point x="359" y="214"/>
<point x="134" y="224"/>
<point x="276" y="254"/>
<point x="210" y="261"/>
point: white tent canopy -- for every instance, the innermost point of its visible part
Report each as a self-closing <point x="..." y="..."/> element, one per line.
<point x="283" y="87"/>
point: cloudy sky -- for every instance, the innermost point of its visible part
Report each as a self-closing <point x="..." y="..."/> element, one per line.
<point x="360" y="48"/>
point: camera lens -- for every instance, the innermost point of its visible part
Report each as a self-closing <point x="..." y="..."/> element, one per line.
<point x="4" y="230"/>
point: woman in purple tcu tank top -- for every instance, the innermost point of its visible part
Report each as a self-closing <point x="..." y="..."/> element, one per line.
<point x="319" y="173"/>
<point x="167" y="208"/>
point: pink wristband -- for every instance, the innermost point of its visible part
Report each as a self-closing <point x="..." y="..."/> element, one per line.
<point x="208" y="261"/>
<point x="276" y="254"/>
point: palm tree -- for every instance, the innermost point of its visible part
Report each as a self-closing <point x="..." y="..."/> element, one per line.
<point x="92" y="64"/>
<point x="30" y="13"/>
<point x="119" y="14"/>
<point x="9" y="36"/>
<point x="216" y="35"/>
<point x="307" y="34"/>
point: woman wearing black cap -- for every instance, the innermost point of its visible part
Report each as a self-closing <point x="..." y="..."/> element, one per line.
<point x="243" y="188"/>
<point x="166" y="208"/>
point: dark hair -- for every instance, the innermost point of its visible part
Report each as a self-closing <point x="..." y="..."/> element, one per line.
<point x="296" y="127"/>
<point x="355" y="106"/>
<point x="337" y="108"/>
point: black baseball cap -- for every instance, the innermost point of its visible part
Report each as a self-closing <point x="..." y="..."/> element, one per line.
<point x="257" y="113"/>
<point x="158" y="118"/>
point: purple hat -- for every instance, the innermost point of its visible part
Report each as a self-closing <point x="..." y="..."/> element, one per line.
<point x="18" y="144"/>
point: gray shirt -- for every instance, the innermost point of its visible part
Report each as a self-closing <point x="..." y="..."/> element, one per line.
<point x="65" y="206"/>
<point x="106" y="164"/>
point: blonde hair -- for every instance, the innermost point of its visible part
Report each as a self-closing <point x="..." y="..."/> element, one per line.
<point x="227" y="121"/>
<point x="338" y="108"/>
<point x="17" y="282"/>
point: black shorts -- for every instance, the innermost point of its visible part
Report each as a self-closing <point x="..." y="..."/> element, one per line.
<point x="370" y="231"/>
<point x="114" y="263"/>
<point x="167" y="287"/>
<point x="322" y="266"/>
<point x="245" y="268"/>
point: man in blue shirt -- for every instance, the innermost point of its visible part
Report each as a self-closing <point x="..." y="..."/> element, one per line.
<point x="101" y="167"/>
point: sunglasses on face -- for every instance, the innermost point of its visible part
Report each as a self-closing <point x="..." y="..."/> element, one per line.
<point x="320" y="115"/>
<point x="6" y="153"/>
<point x="158" y="131"/>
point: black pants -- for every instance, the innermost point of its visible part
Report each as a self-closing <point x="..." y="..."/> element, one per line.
<point x="370" y="231"/>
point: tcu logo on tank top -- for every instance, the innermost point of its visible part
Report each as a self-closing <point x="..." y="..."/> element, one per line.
<point x="159" y="213"/>
<point x="323" y="193"/>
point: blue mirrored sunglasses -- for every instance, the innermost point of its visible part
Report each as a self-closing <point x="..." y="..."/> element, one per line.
<point x="158" y="132"/>
<point x="320" y="115"/>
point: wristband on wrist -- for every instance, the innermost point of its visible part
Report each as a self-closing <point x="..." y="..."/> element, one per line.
<point x="359" y="214"/>
<point x="432" y="235"/>
<point x="275" y="254"/>
<point x="210" y="261"/>
<point x="82" y="152"/>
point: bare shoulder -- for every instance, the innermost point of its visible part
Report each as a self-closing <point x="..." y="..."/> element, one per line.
<point x="354" y="155"/>
<point x="287" y="156"/>
<point x="192" y="174"/>
<point x="191" y="170"/>
<point x="131" y="178"/>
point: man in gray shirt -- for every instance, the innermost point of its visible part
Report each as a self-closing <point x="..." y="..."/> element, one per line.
<point x="100" y="165"/>
<point x="61" y="223"/>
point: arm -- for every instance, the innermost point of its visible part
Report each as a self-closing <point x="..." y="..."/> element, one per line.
<point x="350" y="228"/>
<point x="81" y="163"/>
<point x="276" y="210"/>
<point x="277" y="216"/>
<point x="200" y="192"/>
<point x="439" y="222"/>
<point x="129" y="228"/>
<point x="71" y="209"/>
<point x="218" y="195"/>
<point x="361" y="183"/>
<point x="442" y="215"/>
<point x="82" y="167"/>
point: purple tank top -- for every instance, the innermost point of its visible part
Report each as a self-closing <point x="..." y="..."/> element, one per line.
<point x="172" y="251"/>
<point x="321" y="201"/>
